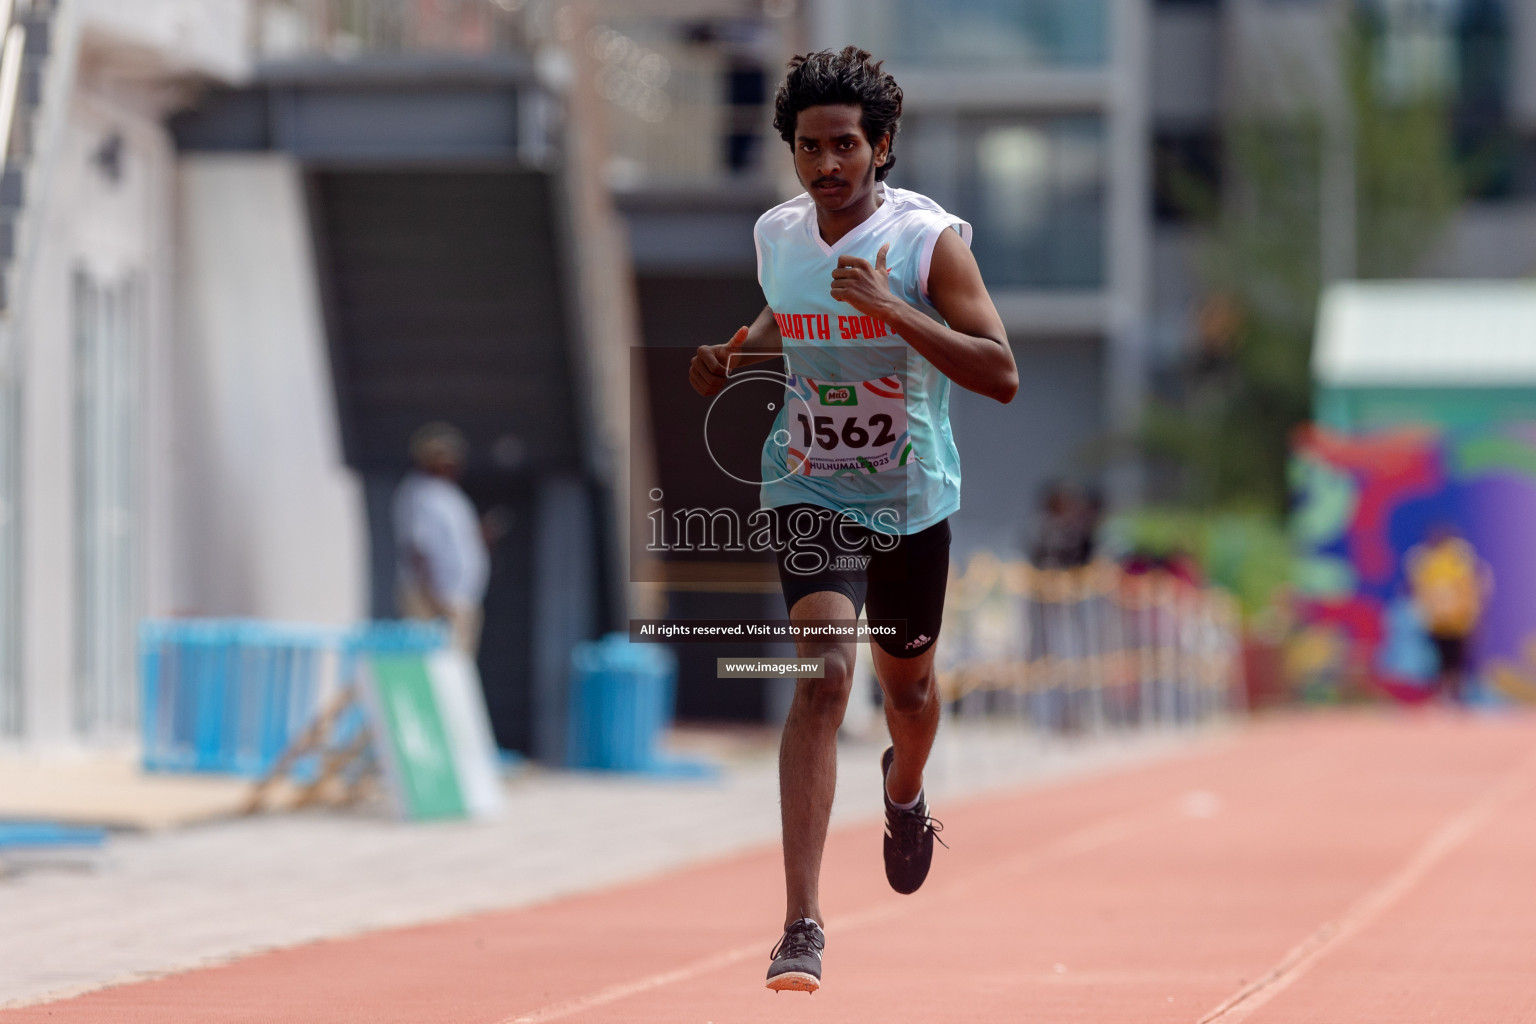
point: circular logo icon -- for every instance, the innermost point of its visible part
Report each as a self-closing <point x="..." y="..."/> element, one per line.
<point x="745" y="410"/>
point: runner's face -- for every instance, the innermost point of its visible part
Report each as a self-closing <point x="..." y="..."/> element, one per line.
<point x="834" y="159"/>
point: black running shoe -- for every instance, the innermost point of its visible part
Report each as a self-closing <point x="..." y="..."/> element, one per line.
<point x="909" y="836"/>
<point x="796" y="963"/>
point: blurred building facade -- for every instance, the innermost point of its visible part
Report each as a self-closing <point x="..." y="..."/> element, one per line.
<point x="1214" y="60"/>
<point x="1068" y="132"/>
<point x="685" y="88"/>
<point x="463" y="274"/>
<point x="1028" y="119"/>
<point x="148" y="468"/>
<point x="276" y="237"/>
<point x="249" y="245"/>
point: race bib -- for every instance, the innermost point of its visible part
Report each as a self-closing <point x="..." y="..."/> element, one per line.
<point x="838" y="429"/>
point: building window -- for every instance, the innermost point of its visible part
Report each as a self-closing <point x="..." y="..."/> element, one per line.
<point x="1186" y="175"/>
<point x="1415" y="47"/>
<point x="987" y="34"/>
<point x="1459" y="52"/>
<point x="1034" y="191"/>
<point x="105" y="329"/>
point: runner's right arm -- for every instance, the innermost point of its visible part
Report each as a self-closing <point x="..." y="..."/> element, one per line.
<point x="713" y="363"/>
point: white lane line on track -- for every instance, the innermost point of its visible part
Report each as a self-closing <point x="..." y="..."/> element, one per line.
<point x="613" y="993"/>
<point x="1086" y="840"/>
<point x="1366" y="910"/>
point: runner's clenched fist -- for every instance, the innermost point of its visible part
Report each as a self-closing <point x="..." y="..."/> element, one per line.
<point x="865" y="288"/>
<point x="712" y="364"/>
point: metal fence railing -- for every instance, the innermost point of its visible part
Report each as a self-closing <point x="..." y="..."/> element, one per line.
<point x="348" y="28"/>
<point x="230" y="695"/>
<point x="670" y="121"/>
<point x="667" y="115"/>
<point x="1088" y="648"/>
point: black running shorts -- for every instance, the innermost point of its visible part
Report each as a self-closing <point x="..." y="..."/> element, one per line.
<point x="900" y="578"/>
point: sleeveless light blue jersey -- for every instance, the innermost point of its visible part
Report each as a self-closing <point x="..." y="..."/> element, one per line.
<point x="864" y="426"/>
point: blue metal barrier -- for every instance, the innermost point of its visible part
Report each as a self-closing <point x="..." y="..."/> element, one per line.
<point x="230" y="695"/>
<point x="621" y="699"/>
<point x="30" y="835"/>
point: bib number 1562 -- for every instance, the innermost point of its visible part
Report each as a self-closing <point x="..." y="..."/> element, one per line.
<point x="826" y="433"/>
<point x="858" y="427"/>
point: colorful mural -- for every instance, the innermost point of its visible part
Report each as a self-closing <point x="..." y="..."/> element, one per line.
<point x="1363" y="501"/>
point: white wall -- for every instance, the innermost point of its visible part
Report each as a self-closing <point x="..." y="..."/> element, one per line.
<point x="275" y="523"/>
<point x="242" y="505"/>
<point x="208" y="37"/>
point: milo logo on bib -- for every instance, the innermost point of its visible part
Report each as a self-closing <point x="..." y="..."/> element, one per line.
<point x="838" y="394"/>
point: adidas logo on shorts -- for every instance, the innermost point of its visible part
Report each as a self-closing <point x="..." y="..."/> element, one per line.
<point x="922" y="638"/>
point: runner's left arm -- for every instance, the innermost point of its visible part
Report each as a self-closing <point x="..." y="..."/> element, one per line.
<point x="973" y="349"/>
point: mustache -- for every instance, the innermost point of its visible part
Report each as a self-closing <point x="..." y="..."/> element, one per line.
<point x="828" y="181"/>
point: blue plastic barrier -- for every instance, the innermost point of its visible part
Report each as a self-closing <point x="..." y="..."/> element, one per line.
<point x="28" y="835"/>
<point x="230" y="695"/>
<point x="621" y="699"/>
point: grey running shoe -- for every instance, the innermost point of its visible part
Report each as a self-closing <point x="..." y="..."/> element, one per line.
<point x="909" y="836"/>
<point x="796" y="963"/>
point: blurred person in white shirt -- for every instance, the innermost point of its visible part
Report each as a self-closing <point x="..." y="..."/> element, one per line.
<point x="443" y="562"/>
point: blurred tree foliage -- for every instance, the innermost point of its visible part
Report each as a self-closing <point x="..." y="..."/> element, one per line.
<point x="1247" y="384"/>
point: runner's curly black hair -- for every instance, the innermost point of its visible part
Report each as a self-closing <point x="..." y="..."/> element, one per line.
<point x="852" y="76"/>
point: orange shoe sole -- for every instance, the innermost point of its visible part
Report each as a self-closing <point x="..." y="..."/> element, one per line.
<point x="794" y="981"/>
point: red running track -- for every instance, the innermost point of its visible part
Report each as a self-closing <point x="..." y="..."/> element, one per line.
<point x="1339" y="868"/>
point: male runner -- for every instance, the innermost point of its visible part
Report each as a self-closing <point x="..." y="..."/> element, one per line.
<point x="876" y="305"/>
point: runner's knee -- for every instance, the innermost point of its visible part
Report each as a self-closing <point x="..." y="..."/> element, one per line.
<point x="829" y="694"/>
<point x="912" y="695"/>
